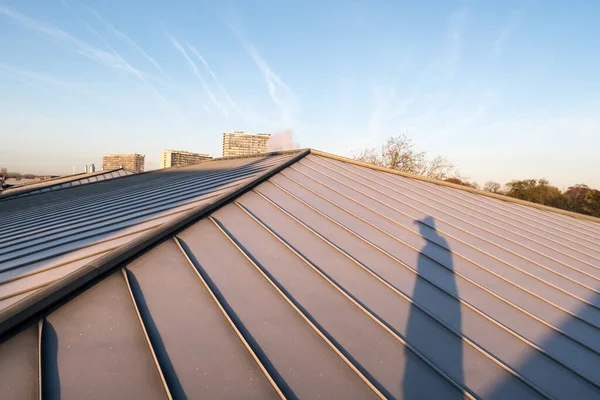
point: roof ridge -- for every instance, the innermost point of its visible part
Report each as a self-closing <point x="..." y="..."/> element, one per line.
<point x="254" y="155"/>
<point x="12" y="193"/>
<point x="55" y="294"/>
<point x="460" y="187"/>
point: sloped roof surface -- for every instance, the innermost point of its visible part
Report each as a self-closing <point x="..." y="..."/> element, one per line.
<point x="49" y="235"/>
<point x="63" y="182"/>
<point x="335" y="280"/>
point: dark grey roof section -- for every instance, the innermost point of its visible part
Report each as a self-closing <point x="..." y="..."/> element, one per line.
<point x="325" y="278"/>
<point x="50" y="235"/>
<point x="63" y="182"/>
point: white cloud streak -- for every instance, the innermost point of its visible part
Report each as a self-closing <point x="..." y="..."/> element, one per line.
<point x="205" y="107"/>
<point x="221" y="87"/>
<point x="284" y="98"/>
<point x="69" y="91"/>
<point x="22" y="79"/>
<point x="78" y="46"/>
<point x="454" y="45"/>
<point x="9" y="70"/>
<point x="508" y="143"/>
<point x="506" y="32"/>
<point x="444" y="67"/>
<point x="110" y="59"/>
<point x="41" y="80"/>
<point x="385" y="111"/>
<point x="196" y="72"/>
<point x="117" y="33"/>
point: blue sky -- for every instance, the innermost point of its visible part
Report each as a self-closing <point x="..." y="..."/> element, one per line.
<point x="505" y="90"/>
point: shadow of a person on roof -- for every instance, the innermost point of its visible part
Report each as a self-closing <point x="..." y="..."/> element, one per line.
<point x="417" y="327"/>
<point x="50" y="380"/>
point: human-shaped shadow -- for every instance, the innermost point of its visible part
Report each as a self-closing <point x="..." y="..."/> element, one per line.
<point x="437" y="248"/>
<point x="50" y="378"/>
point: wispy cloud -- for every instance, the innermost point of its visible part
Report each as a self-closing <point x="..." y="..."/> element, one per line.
<point x="445" y="66"/>
<point x="386" y="109"/>
<point x="282" y="95"/>
<point x="507" y="143"/>
<point x="142" y="78"/>
<point x="76" y="45"/>
<point x="382" y="100"/>
<point x="216" y="80"/>
<point x="454" y="42"/>
<point x="21" y="78"/>
<point x="43" y="81"/>
<point x="110" y="59"/>
<point x="196" y="72"/>
<point x="25" y="75"/>
<point x="76" y="94"/>
<point x="123" y="37"/>
<point x="205" y="107"/>
<point x="504" y="36"/>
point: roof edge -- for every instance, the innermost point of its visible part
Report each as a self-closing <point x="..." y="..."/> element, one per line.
<point x="460" y="187"/>
<point x="27" y="190"/>
<point x="20" y="313"/>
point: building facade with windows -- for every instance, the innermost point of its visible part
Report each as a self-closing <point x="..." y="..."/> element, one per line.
<point x="175" y="158"/>
<point x="132" y="162"/>
<point x="241" y="144"/>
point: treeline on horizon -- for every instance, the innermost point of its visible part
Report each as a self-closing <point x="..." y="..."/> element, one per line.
<point x="18" y="175"/>
<point x="398" y="153"/>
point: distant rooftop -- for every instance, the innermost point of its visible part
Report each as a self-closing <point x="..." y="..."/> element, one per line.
<point x="187" y="152"/>
<point x="62" y="182"/>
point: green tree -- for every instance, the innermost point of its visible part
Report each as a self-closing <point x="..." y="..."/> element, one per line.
<point x="462" y="181"/>
<point x="592" y="203"/>
<point x="575" y="197"/>
<point x="537" y="191"/>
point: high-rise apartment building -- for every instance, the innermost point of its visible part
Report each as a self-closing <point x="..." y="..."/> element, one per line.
<point x="174" y="158"/>
<point x="241" y="144"/>
<point x="133" y="162"/>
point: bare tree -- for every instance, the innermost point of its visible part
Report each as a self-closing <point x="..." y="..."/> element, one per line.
<point x="437" y="168"/>
<point x="493" y="187"/>
<point x="398" y="153"/>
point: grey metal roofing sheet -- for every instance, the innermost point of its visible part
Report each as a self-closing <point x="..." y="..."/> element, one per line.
<point x="305" y="364"/>
<point x="45" y="236"/>
<point x="200" y="353"/>
<point x="95" y="346"/>
<point x="332" y="279"/>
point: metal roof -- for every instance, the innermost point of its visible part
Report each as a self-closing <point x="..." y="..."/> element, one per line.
<point x="325" y="278"/>
<point x="63" y="182"/>
<point x="46" y="236"/>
